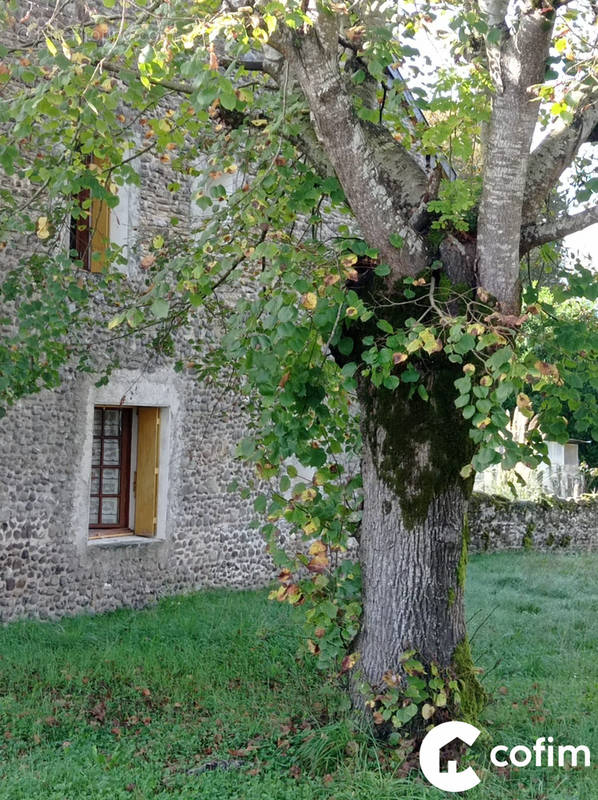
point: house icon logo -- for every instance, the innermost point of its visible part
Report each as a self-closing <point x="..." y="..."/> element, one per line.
<point x="429" y="757"/>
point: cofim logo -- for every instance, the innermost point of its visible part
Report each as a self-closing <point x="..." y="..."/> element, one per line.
<point x="454" y="780"/>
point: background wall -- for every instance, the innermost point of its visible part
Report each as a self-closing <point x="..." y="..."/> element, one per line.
<point x="551" y="524"/>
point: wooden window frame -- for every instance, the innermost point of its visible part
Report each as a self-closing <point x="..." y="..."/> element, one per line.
<point x="145" y="480"/>
<point x="124" y="467"/>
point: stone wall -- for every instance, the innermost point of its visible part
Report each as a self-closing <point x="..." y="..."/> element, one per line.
<point x="552" y="524"/>
<point x="48" y="564"/>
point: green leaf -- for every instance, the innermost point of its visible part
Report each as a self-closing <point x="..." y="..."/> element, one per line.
<point x="464" y="344"/>
<point x="499" y="358"/>
<point x="463" y="385"/>
<point x="160" y="308"/>
<point x="259" y="504"/>
<point x="385" y="326"/>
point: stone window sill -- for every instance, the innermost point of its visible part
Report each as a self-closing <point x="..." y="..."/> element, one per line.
<point x="123" y="541"/>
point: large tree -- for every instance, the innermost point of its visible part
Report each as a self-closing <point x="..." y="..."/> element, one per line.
<point x="377" y="230"/>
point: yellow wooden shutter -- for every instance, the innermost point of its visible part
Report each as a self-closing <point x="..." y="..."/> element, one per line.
<point x="100" y="235"/>
<point x="100" y="229"/>
<point x="146" y="486"/>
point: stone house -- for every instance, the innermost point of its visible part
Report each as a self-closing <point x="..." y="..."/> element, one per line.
<point x="114" y="495"/>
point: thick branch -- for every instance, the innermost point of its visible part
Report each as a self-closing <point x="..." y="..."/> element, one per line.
<point x="555" y="153"/>
<point x="541" y="233"/>
<point x="514" y="117"/>
<point x="382" y="183"/>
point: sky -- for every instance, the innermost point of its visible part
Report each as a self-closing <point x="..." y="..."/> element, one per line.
<point x="436" y="47"/>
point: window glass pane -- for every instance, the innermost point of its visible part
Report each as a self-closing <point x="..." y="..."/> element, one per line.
<point x="109" y="510"/>
<point x="93" y="510"/>
<point x="111" y="451"/>
<point x="96" y="451"/>
<point x="112" y="418"/>
<point x="95" y="481"/>
<point x="110" y="468"/>
<point x="110" y="481"/>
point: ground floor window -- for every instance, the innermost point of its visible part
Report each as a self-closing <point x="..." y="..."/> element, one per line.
<point x="124" y="477"/>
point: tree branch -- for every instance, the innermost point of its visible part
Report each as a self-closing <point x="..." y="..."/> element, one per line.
<point x="383" y="184"/>
<point x="543" y="232"/>
<point x="514" y="117"/>
<point x="555" y="153"/>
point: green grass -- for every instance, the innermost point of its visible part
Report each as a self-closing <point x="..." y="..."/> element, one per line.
<point x="128" y="704"/>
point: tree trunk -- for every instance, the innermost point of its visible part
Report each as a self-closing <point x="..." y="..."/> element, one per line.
<point x="414" y="528"/>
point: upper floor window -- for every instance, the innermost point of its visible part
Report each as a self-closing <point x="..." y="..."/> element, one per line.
<point x="89" y="235"/>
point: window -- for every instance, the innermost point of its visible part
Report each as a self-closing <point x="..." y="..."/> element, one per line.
<point x="89" y="235"/>
<point x="123" y="493"/>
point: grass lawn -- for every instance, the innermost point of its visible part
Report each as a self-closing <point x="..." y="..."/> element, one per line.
<point x="135" y="704"/>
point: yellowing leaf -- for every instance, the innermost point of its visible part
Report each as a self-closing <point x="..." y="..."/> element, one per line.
<point x="318" y="563"/>
<point x="548" y="370"/>
<point x="51" y="46"/>
<point x="309" y="301"/>
<point x="310" y="528"/>
<point x="524" y="404"/>
<point x="560" y="44"/>
<point x="259" y="123"/>
<point x="441" y="699"/>
<point x="317" y="548"/>
<point x="427" y="711"/>
<point x="349" y="662"/>
<point x="349" y="260"/>
<point x="476" y="329"/>
<point x="43" y="229"/>
<point x="100" y="31"/>
<point x="430" y="343"/>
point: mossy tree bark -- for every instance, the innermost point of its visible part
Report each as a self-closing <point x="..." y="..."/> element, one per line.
<point x="414" y="528"/>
